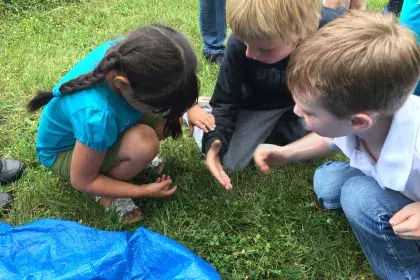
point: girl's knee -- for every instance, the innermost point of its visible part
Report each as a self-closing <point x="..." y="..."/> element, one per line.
<point x="141" y="140"/>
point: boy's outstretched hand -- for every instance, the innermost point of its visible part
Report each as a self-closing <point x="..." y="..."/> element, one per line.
<point x="215" y="167"/>
<point x="267" y="155"/>
<point x="160" y="188"/>
<point x="406" y="222"/>
<point x="198" y="117"/>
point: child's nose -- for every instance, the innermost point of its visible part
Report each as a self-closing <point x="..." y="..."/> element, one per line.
<point x="297" y="111"/>
<point x="250" y="53"/>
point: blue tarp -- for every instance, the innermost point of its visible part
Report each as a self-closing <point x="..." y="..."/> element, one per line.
<point x="57" y="249"/>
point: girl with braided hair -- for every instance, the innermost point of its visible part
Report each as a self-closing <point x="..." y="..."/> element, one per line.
<point x="92" y="131"/>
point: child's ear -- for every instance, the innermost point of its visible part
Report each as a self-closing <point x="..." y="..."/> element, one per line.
<point x="121" y="82"/>
<point x="360" y="122"/>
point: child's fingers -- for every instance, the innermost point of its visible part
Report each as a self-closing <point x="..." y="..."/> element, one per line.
<point x="213" y="162"/>
<point x="260" y="162"/>
<point x="171" y="191"/>
<point x="402" y="215"/>
<point x="405" y="227"/>
<point x="210" y="125"/>
<point x="207" y="124"/>
<point x="259" y="157"/>
<point x="203" y="127"/>
<point x="215" y="171"/>
<point x="226" y="178"/>
<point x="265" y="169"/>
<point x="216" y="174"/>
<point x="164" y="184"/>
<point x="168" y="183"/>
<point x="213" y="120"/>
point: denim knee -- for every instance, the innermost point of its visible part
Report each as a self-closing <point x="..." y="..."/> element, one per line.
<point x="360" y="199"/>
<point x="328" y="180"/>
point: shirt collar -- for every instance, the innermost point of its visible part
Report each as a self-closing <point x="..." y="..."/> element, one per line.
<point x="395" y="160"/>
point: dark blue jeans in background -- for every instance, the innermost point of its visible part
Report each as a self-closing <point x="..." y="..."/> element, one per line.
<point x="213" y="25"/>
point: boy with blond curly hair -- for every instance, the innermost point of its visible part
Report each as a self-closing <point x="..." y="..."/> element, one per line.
<point x="251" y="102"/>
<point x="352" y="83"/>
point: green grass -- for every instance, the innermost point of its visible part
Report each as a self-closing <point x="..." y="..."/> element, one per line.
<point x="266" y="228"/>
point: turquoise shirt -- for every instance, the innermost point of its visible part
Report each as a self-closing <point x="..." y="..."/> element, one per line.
<point x="94" y="116"/>
<point x="410" y="17"/>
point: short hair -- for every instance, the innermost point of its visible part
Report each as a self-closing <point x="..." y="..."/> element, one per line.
<point x="359" y="62"/>
<point x="273" y="20"/>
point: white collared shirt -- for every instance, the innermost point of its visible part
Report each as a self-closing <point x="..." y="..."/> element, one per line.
<point x="398" y="165"/>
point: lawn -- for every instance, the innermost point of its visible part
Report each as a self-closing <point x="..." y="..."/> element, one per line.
<point x="266" y="228"/>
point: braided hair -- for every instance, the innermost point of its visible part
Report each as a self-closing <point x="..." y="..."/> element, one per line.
<point x="160" y="65"/>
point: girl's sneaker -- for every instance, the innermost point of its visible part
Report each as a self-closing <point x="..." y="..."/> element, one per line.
<point x="157" y="164"/>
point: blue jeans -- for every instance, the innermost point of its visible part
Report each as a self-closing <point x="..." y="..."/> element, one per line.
<point x="213" y="25"/>
<point x="368" y="209"/>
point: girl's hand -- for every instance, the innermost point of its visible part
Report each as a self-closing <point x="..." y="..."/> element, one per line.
<point x="160" y="188"/>
<point x="201" y="119"/>
<point x="406" y="222"/>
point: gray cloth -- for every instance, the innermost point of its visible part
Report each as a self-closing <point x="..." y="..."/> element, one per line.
<point x="280" y="126"/>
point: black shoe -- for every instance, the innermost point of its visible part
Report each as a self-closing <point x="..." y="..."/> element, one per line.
<point x="5" y="200"/>
<point x="10" y="170"/>
<point x="214" y="58"/>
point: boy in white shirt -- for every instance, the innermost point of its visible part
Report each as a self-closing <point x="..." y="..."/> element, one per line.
<point x="352" y="83"/>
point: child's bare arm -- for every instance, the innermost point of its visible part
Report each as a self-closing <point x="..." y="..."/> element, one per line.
<point x="309" y="147"/>
<point x="84" y="176"/>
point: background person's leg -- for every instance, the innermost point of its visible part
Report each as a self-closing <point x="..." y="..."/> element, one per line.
<point x="212" y="21"/>
<point x="356" y="4"/>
